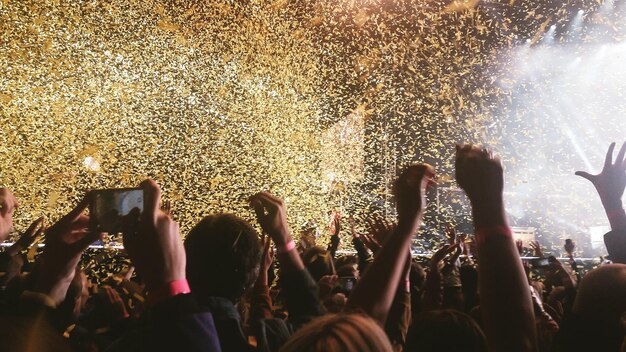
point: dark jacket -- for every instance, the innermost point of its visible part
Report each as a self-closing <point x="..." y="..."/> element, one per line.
<point x="302" y="302"/>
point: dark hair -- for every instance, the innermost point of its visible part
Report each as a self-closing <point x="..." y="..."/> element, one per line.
<point x="346" y="270"/>
<point x="223" y="256"/>
<point x="417" y="275"/>
<point x="317" y="260"/>
<point x="469" y="285"/>
<point x="445" y="330"/>
<point x="469" y="277"/>
<point x="346" y="260"/>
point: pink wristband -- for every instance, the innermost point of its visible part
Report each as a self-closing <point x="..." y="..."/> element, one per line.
<point x="484" y="233"/>
<point x="171" y="289"/>
<point x="615" y="213"/>
<point x="407" y="285"/>
<point x="288" y="247"/>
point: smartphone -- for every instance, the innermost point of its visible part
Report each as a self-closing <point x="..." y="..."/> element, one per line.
<point x="540" y="262"/>
<point x="347" y="282"/>
<point x="115" y="211"/>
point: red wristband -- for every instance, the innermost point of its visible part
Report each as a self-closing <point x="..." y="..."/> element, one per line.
<point x="612" y="214"/>
<point x="483" y="233"/>
<point x="287" y="247"/>
<point x="171" y="289"/>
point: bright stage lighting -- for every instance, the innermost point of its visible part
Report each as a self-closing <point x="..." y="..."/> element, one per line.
<point x="548" y="37"/>
<point x="569" y="101"/>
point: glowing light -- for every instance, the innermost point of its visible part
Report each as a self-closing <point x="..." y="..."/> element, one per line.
<point x="548" y="37"/>
<point x="91" y="164"/>
<point x="219" y="100"/>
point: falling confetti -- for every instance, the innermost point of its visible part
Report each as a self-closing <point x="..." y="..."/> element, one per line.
<point x="321" y="102"/>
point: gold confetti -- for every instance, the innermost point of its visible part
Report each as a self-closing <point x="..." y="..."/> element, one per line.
<point x="319" y="102"/>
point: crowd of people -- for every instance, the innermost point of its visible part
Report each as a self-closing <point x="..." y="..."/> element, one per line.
<point x="227" y="287"/>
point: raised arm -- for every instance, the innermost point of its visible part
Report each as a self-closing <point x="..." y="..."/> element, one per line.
<point x="271" y="213"/>
<point x="506" y="306"/>
<point x="334" y="238"/>
<point x="610" y="184"/>
<point x="156" y="250"/>
<point x="27" y="238"/>
<point x="433" y="290"/>
<point x="10" y="260"/>
<point x="359" y="245"/>
<point x="260" y="301"/>
<point x="36" y="311"/>
<point x="301" y="291"/>
<point x="65" y="242"/>
<point x="375" y="291"/>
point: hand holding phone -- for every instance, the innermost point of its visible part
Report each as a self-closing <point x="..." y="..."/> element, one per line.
<point x="347" y="282"/>
<point x="540" y="263"/>
<point x="116" y="211"/>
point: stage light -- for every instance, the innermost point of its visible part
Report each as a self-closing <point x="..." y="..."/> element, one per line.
<point x="548" y="37"/>
<point x="607" y="7"/>
<point x="576" y="25"/>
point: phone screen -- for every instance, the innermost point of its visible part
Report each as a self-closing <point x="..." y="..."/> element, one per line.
<point x="116" y="210"/>
<point x="540" y="262"/>
<point x="347" y="282"/>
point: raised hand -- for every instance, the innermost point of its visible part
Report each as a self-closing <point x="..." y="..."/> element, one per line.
<point x="28" y="237"/>
<point x="451" y="234"/>
<point x="519" y="244"/>
<point x="267" y="257"/>
<point x="371" y="243"/>
<point x="465" y="246"/>
<point x="611" y="181"/>
<point x="352" y="224"/>
<point x="65" y="242"/>
<point x="336" y="224"/>
<point x="35" y="229"/>
<point x="569" y="247"/>
<point x="410" y="192"/>
<point x="610" y="184"/>
<point x="375" y="291"/>
<point x="507" y="309"/>
<point x="8" y="204"/>
<point x="271" y="214"/>
<point x="156" y="248"/>
<point x="380" y="229"/>
<point x="441" y="253"/>
<point x="479" y="173"/>
<point x="568" y="280"/>
<point x="536" y="247"/>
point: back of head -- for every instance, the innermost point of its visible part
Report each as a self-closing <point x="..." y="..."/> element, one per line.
<point x="339" y="332"/>
<point x="347" y="271"/>
<point x="602" y="293"/>
<point x="445" y="330"/>
<point x="346" y="260"/>
<point x="223" y="255"/>
<point x="318" y="262"/>
<point x="596" y="319"/>
<point x="469" y="277"/>
<point x="417" y="275"/>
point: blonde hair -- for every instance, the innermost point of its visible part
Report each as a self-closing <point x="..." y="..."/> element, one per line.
<point x="339" y="332"/>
